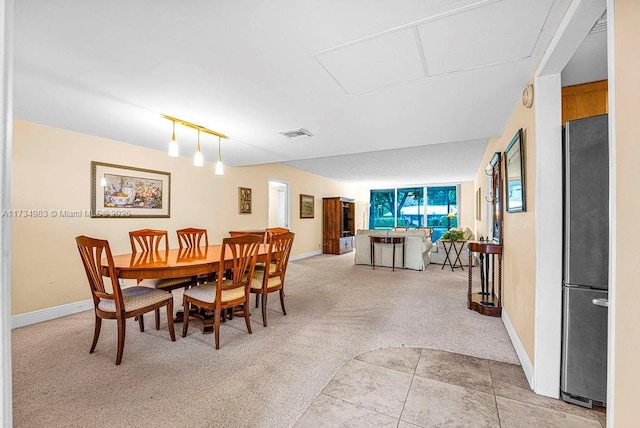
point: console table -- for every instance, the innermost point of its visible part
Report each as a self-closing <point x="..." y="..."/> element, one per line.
<point x="384" y="239"/>
<point x="486" y="301"/>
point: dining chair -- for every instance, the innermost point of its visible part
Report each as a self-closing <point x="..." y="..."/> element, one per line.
<point x="156" y="241"/>
<point x="120" y="303"/>
<point x="272" y="280"/>
<point x="268" y="233"/>
<point x="226" y="293"/>
<point x="192" y="237"/>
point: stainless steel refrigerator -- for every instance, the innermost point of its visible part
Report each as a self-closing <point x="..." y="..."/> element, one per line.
<point x="585" y="261"/>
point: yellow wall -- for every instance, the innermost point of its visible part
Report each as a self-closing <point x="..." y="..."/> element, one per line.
<point x="627" y="158"/>
<point x="467" y="205"/>
<point x="518" y="231"/>
<point x="52" y="173"/>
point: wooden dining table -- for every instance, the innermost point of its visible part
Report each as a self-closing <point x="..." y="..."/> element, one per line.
<point x="175" y="263"/>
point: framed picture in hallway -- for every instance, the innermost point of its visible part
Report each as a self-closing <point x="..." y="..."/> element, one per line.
<point x="307" y="207"/>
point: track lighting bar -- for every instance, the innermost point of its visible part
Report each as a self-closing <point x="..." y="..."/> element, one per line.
<point x="194" y="126"/>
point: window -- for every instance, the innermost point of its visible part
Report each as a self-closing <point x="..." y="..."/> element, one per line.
<point x="407" y="207"/>
<point x="410" y="207"/>
<point x="383" y="209"/>
<point x="442" y="209"/>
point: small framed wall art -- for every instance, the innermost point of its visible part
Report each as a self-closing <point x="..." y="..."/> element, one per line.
<point x="306" y="206"/>
<point x="244" y="200"/>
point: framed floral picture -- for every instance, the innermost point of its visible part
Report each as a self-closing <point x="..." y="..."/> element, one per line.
<point x="306" y="206"/>
<point x="119" y="191"/>
<point x="244" y="200"/>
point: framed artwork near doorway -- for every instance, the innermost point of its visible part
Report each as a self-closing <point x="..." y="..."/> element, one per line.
<point x="306" y="206"/>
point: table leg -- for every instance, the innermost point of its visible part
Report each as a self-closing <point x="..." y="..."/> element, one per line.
<point x="482" y="278"/>
<point x="373" y="266"/>
<point x="458" y="263"/>
<point x="446" y="252"/>
<point x="393" y="260"/>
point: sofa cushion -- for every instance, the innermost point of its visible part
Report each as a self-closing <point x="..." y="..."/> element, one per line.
<point x="416" y="249"/>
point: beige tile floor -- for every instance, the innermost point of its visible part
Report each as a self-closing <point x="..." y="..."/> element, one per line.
<point x="413" y="387"/>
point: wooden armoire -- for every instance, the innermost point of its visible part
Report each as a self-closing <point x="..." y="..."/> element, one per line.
<point x="338" y="225"/>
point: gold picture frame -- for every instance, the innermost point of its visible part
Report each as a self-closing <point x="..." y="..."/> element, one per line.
<point x="307" y="206"/>
<point x="244" y="200"/>
<point x="119" y="191"/>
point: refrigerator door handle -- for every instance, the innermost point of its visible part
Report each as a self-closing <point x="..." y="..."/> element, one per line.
<point x="601" y="302"/>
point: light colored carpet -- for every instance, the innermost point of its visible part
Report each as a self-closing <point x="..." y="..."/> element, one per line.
<point x="336" y="311"/>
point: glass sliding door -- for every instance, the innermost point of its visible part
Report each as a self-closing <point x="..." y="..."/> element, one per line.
<point x="382" y="213"/>
<point x="410" y="207"/>
<point x="442" y="209"/>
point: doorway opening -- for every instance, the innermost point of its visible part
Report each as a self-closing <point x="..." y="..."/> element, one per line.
<point x="278" y="213"/>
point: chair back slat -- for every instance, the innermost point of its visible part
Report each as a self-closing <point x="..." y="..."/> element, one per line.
<point x="244" y="252"/>
<point x="192" y="237"/>
<point x="278" y="254"/>
<point x="148" y="240"/>
<point x="91" y="252"/>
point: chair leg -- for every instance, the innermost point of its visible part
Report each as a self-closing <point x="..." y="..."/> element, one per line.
<point x="216" y="326"/>
<point x="141" y="323"/>
<point x="185" y="318"/>
<point x="96" y="333"/>
<point x="264" y="309"/>
<point x="172" y="332"/>
<point x="282" y="301"/>
<point x="157" y="314"/>
<point x="247" y="317"/>
<point x="257" y="299"/>
<point x="121" y="334"/>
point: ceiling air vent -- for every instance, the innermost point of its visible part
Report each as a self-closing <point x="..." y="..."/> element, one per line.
<point x="600" y="25"/>
<point x="294" y="133"/>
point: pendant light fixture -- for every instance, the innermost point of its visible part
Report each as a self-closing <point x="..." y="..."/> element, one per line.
<point x="174" y="151"/>
<point x="198" y="160"/>
<point x="219" y="166"/>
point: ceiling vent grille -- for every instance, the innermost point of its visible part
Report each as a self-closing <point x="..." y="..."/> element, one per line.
<point x="295" y="133"/>
<point x="600" y="25"/>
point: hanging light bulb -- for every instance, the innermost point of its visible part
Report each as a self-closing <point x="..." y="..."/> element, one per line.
<point x="219" y="166"/>
<point x="198" y="160"/>
<point x="173" y="145"/>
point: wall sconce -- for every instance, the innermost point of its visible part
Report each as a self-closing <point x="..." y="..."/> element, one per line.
<point x="488" y="170"/>
<point x="198" y="159"/>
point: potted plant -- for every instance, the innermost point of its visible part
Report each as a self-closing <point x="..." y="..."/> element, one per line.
<point x="453" y="235"/>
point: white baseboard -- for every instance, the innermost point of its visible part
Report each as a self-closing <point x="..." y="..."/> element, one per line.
<point x="50" y="313"/>
<point x="527" y="367"/>
<point x="305" y="255"/>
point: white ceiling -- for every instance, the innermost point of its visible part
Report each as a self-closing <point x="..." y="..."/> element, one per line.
<point x="393" y="93"/>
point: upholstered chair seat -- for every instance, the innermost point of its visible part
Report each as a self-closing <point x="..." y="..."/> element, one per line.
<point x="134" y="298"/>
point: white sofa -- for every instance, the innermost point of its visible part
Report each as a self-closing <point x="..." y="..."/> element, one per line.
<point x="438" y="253"/>
<point x="416" y="246"/>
